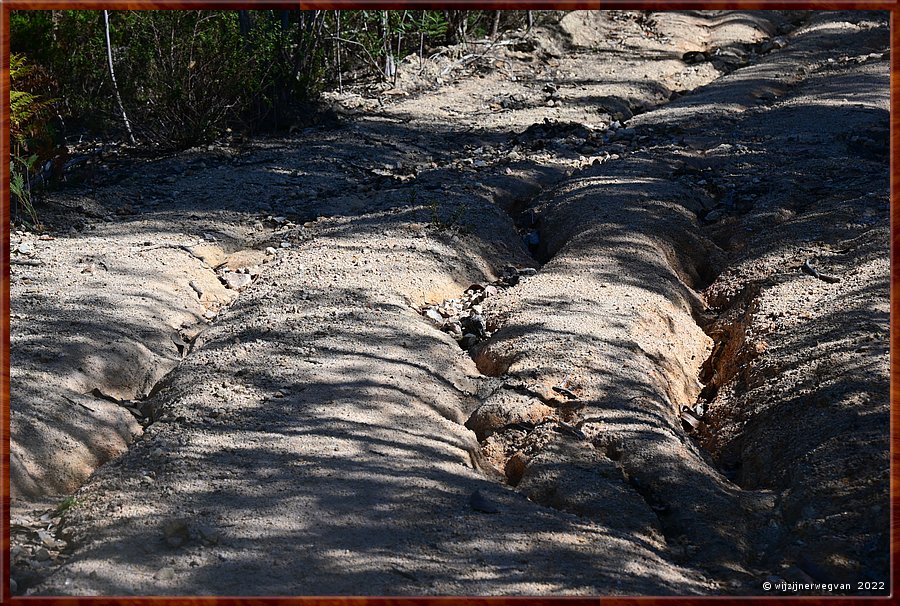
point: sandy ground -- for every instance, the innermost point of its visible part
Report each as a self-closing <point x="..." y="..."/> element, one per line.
<point x="235" y="360"/>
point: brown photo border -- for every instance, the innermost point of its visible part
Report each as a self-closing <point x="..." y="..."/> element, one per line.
<point x="9" y="5"/>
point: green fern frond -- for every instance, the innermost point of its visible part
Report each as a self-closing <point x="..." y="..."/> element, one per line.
<point x="18" y="67"/>
<point x="22" y="106"/>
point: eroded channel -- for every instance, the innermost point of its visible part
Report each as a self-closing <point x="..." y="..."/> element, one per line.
<point x="597" y="368"/>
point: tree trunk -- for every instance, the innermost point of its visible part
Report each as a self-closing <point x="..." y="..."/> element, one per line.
<point x="112" y="75"/>
<point x="337" y="50"/>
<point x="495" y="26"/>
<point x="55" y="18"/>
<point x="390" y="68"/>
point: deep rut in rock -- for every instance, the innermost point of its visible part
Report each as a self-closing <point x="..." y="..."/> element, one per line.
<point x="144" y="407"/>
<point x="597" y="364"/>
<point x="139" y="392"/>
<point x="551" y="432"/>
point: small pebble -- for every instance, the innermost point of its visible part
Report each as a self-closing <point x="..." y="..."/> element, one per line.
<point x="480" y="503"/>
<point x="236" y="281"/>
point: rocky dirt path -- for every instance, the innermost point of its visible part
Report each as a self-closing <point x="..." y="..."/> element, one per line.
<point x="543" y="330"/>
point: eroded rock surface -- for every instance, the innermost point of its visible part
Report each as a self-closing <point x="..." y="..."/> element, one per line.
<point x="657" y="397"/>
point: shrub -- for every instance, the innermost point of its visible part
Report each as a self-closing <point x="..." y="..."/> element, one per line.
<point x="184" y="76"/>
<point x="29" y="132"/>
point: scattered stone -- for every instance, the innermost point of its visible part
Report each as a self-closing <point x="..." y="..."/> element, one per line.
<point x="236" y="281"/>
<point x="463" y="318"/>
<point x="773" y="44"/>
<point x="24" y="248"/>
<point x="689" y="421"/>
<point x="528" y="272"/>
<point x="475" y="325"/>
<point x="694" y="57"/>
<point x="468" y="341"/>
<point x="481" y="503"/>
<point x="176" y="533"/>
<point x="714" y="215"/>
<point x="285" y="245"/>
<point x="166" y="573"/>
<point x="197" y="289"/>
<point x="42" y="555"/>
<point x="432" y="314"/>
<point x="510" y="279"/>
<point x="270" y="251"/>
<point x="47" y="539"/>
<point x="15" y="552"/>
<point x="209" y="534"/>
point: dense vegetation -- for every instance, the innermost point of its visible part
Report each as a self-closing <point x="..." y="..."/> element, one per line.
<point x="174" y="79"/>
<point x="183" y="75"/>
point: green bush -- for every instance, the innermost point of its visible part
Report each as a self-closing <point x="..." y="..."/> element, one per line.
<point x="29" y="133"/>
<point x="184" y="76"/>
